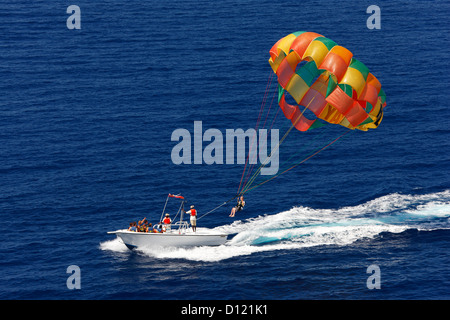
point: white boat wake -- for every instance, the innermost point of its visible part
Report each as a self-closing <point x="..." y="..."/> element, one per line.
<point x="303" y="227"/>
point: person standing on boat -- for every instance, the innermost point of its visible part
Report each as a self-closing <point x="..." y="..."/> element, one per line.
<point x="167" y="219"/>
<point x="193" y="214"/>
<point x="167" y="222"/>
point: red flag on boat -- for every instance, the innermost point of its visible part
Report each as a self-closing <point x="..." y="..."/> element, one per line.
<point x="175" y="196"/>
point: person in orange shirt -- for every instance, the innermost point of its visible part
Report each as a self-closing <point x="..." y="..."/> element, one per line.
<point x="167" y="222"/>
<point x="193" y="214"/>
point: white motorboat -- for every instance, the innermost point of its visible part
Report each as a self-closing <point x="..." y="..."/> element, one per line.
<point x="176" y="235"/>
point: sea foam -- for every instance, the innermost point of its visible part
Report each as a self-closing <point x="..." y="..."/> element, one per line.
<point x="302" y="227"/>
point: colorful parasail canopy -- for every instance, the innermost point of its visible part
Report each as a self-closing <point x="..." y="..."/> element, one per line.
<point x="325" y="78"/>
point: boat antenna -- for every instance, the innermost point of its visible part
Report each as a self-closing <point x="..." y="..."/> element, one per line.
<point x="164" y="209"/>
<point x="182" y="210"/>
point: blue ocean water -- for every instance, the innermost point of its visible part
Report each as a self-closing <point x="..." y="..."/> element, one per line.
<point x="87" y="117"/>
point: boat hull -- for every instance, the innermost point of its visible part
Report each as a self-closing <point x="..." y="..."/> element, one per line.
<point x="170" y="239"/>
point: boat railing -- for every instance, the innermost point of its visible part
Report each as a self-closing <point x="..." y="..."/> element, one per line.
<point x="183" y="226"/>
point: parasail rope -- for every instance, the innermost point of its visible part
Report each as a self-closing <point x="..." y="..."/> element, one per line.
<point x="254" y="176"/>
<point x="263" y="104"/>
<point x="218" y="207"/>
<point x="323" y="148"/>
<point x="247" y="176"/>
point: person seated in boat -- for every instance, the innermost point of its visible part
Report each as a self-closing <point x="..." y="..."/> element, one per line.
<point x="140" y="223"/>
<point x="239" y="206"/>
<point x="132" y="227"/>
<point x="143" y="225"/>
<point x="193" y="214"/>
<point x="157" y="228"/>
<point x="167" y="222"/>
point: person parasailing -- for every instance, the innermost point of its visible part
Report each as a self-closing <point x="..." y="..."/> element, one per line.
<point x="239" y="206"/>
